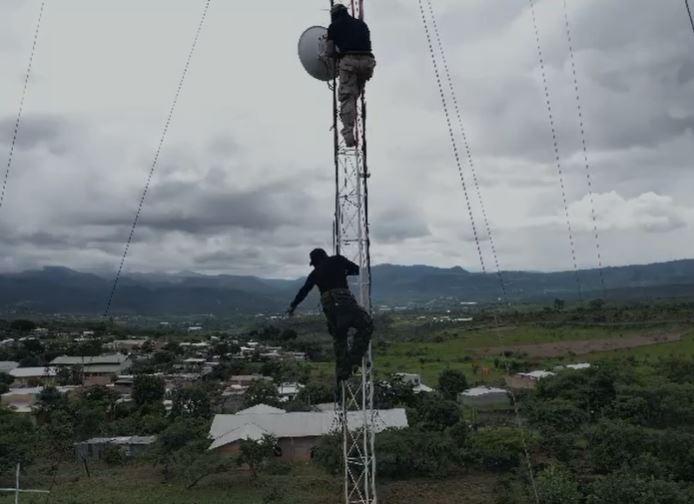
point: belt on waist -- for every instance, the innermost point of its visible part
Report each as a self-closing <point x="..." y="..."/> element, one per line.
<point x="336" y="294"/>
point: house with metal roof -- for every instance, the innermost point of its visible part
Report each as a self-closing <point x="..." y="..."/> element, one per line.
<point x="31" y="376"/>
<point x="7" y="366"/>
<point x="485" y="397"/>
<point x="98" y="369"/>
<point x="297" y="433"/>
<point x="130" y="446"/>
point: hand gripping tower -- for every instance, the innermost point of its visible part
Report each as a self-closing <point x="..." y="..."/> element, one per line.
<point x="354" y="409"/>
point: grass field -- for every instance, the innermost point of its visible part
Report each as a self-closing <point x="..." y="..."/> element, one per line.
<point x="460" y="349"/>
<point x="305" y="484"/>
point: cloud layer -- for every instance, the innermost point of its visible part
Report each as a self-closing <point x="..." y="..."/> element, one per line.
<point x="244" y="183"/>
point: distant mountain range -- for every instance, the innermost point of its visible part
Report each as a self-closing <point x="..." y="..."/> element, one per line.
<point x="62" y="290"/>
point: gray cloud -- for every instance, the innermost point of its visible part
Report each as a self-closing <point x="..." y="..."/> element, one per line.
<point x="244" y="184"/>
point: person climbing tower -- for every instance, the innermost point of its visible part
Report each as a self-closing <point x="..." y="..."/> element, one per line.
<point x="340" y="308"/>
<point x="349" y="40"/>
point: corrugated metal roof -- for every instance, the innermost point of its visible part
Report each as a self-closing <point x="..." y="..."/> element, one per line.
<point x="7" y="366"/>
<point x="482" y="391"/>
<point x="69" y="360"/>
<point x="226" y="429"/>
<point x="121" y="440"/>
<point x="260" y="409"/>
<point x="32" y="372"/>
<point x="103" y="369"/>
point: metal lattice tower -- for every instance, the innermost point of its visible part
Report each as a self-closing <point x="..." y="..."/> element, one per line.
<point x="355" y="412"/>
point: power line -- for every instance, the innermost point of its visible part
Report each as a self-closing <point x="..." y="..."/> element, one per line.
<point x="157" y="153"/>
<point x="581" y="124"/>
<point x="18" y="121"/>
<point x="497" y="325"/>
<point x="454" y="143"/>
<point x="689" y="11"/>
<point x="555" y="144"/>
<point x="468" y="149"/>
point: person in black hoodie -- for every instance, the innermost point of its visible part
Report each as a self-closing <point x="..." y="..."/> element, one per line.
<point x="340" y="308"/>
<point x="349" y="40"/>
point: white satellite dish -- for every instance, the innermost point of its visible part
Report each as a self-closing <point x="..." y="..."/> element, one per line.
<point x="312" y="49"/>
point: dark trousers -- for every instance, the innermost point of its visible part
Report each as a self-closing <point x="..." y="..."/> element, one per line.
<point x="344" y="313"/>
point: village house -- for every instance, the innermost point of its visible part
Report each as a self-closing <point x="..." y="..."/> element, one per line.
<point x="96" y="370"/>
<point x="124" y="384"/>
<point x="22" y="400"/>
<point x="33" y="376"/>
<point x="415" y="380"/>
<point x="288" y="391"/>
<point x="297" y="433"/>
<point x="130" y="446"/>
<point x="7" y="366"/>
<point x="484" y="397"/>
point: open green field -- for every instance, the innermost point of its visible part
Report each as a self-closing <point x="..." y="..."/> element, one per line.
<point x="305" y="484"/>
<point x="454" y="348"/>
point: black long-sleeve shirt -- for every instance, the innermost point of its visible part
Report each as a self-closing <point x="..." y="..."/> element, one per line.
<point x="350" y="35"/>
<point x="332" y="273"/>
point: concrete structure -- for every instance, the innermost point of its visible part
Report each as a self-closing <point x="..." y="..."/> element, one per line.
<point x="297" y="433"/>
<point x="124" y="384"/>
<point x="485" y="398"/>
<point x="415" y="380"/>
<point x="32" y="376"/>
<point x="131" y="446"/>
<point x="289" y="391"/>
<point x="97" y="370"/>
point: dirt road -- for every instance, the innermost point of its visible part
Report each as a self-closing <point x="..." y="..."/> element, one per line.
<point x="581" y="347"/>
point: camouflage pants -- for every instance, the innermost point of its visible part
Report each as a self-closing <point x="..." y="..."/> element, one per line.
<point x="344" y="313"/>
<point x="355" y="70"/>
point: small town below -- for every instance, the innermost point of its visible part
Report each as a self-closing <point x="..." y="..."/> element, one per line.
<point x="202" y="409"/>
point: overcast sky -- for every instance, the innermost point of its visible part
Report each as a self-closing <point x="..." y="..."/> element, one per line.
<point x="244" y="184"/>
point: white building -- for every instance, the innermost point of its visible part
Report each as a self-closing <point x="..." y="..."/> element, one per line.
<point x="289" y="391"/>
<point x="24" y="376"/>
<point x="484" y="397"/>
<point x="7" y="366"/>
<point x="297" y="433"/>
<point x="415" y="380"/>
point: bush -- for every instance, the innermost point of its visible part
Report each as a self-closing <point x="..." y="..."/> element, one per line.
<point x="499" y="448"/>
<point x="451" y="383"/>
<point x="17" y="435"/>
<point x="328" y="453"/>
<point x="557" y="414"/>
<point x="615" y="443"/>
<point x="148" y="390"/>
<point x="277" y="467"/>
<point x="261" y="392"/>
<point x="556" y="486"/>
<point x="431" y="413"/>
<point x="407" y="453"/>
<point x="625" y="488"/>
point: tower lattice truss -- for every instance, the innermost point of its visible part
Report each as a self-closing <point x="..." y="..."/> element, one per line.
<point x="355" y="413"/>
